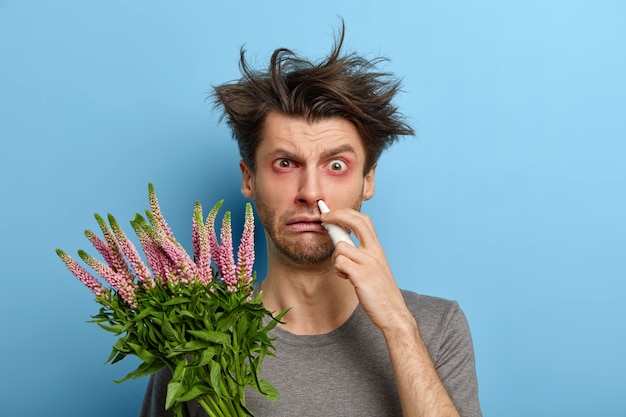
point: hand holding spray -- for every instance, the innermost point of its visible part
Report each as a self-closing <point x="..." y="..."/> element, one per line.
<point x="337" y="233"/>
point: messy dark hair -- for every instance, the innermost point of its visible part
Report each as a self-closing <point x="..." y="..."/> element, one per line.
<point x="342" y="85"/>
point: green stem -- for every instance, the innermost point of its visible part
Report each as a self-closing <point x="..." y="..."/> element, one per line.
<point x="236" y="383"/>
<point x="210" y="406"/>
<point x="232" y="408"/>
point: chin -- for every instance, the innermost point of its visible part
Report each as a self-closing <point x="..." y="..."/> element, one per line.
<point x="301" y="253"/>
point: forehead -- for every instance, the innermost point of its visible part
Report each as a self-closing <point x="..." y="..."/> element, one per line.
<point x="297" y="135"/>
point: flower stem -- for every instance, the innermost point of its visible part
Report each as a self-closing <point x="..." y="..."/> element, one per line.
<point x="210" y="406"/>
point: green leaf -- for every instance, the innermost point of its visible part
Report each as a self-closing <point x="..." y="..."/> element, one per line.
<point x="268" y="390"/>
<point x="141" y="352"/>
<point x="168" y="330"/>
<point x="195" y="345"/>
<point x="172" y="394"/>
<point x="206" y="356"/>
<point x="145" y="312"/>
<point x="215" y="377"/>
<point x="275" y="320"/>
<point x="113" y="328"/>
<point x="209" y="336"/>
<point x="197" y="389"/>
<point x="115" y="356"/>
<point x="176" y="301"/>
<point x="177" y="385"/>
<point x="185" y="313"/>
<point x="143" y="370"/>
<point x="154" y="335"/>
<point x="179" y="372"/>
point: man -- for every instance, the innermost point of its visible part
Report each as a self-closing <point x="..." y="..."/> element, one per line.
<point x="353" y="343"/>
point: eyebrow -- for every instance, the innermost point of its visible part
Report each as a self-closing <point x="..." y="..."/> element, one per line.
<point x="326" y="154"/>
<point x="336" y="151"/>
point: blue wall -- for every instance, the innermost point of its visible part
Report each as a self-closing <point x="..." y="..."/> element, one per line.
<point x="511" y="199"/>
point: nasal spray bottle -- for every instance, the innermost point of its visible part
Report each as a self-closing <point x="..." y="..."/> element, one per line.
<point x="337" y="234"/>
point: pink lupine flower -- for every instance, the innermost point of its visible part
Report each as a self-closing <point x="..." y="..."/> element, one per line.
<point x="226" y="258"/>
<point x="195" y="234"/>
<point x="185" y="268"/>
<point x="201" y="246"/>
<point x="159" y="223"/>
<point x="117" y="261"/>
<point x="167" y="262"/>
<point x="119" y="281"/>
<point x="160" y="321"/>
<point x="210" y="229"/>
<point x="175" y="255"/>
<point x="144" y="276"/>
<point x="150" y="248"/>
<point x="81" y="273"/>
<point x="101" y="246"/>
<point x="164" y="266"/>
<point x="245" y="252"/>
<point x="165" y="255"/>
<point x="233" y="275"/>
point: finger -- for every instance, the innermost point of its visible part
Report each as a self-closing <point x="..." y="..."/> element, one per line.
<point x="347" y="268"/>
<point x="359" y="223"/>
<point x="354" y="263"/>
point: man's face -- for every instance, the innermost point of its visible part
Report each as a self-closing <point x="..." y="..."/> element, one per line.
<point x="298" y="163"/>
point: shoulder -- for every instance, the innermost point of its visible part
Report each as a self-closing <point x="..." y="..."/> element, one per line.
<point x="426" y="307"/>
<point x="446" y="334"/>
<point x="441" y="322"/>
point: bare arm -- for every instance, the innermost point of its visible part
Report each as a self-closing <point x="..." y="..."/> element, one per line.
<point x="421" y="391"/>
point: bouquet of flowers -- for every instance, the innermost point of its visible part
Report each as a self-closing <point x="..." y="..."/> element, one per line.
<point x="197" y="316"/>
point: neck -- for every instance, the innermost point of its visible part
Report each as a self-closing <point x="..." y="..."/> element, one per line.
<point x="319" y="300"/>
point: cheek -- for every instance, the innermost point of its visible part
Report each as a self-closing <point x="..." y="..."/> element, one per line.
<point x="270" y="189"/>
<point x="277" y="185"/>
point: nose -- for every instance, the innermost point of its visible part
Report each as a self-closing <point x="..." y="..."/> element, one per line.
<point x="309" y="188"/>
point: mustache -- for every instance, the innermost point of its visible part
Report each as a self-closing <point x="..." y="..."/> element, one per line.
<point x="306" y="211"/>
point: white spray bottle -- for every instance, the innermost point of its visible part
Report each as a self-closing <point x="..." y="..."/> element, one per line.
<point x="337" y="234"/>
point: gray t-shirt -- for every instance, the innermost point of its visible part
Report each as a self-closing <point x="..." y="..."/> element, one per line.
<point x="348" y="372"/>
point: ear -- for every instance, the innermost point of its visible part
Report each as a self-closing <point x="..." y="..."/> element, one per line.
<point x="247" y="180"/>
<point x="368" y="183"/>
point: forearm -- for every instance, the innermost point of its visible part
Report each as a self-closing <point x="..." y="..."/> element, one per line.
<point x="421" y="392"/>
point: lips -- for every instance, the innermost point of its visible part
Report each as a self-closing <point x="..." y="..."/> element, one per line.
<point x="305" y="224"/>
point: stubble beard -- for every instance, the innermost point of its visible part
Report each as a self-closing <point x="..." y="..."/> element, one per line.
<point x="310" y="251"/>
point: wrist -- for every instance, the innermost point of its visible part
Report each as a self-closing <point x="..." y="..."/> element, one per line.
<point x="402" y="327"/>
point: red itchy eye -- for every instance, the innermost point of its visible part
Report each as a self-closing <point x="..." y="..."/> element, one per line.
<point x="283" y="164"/>
<point x="337" y="166"/>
